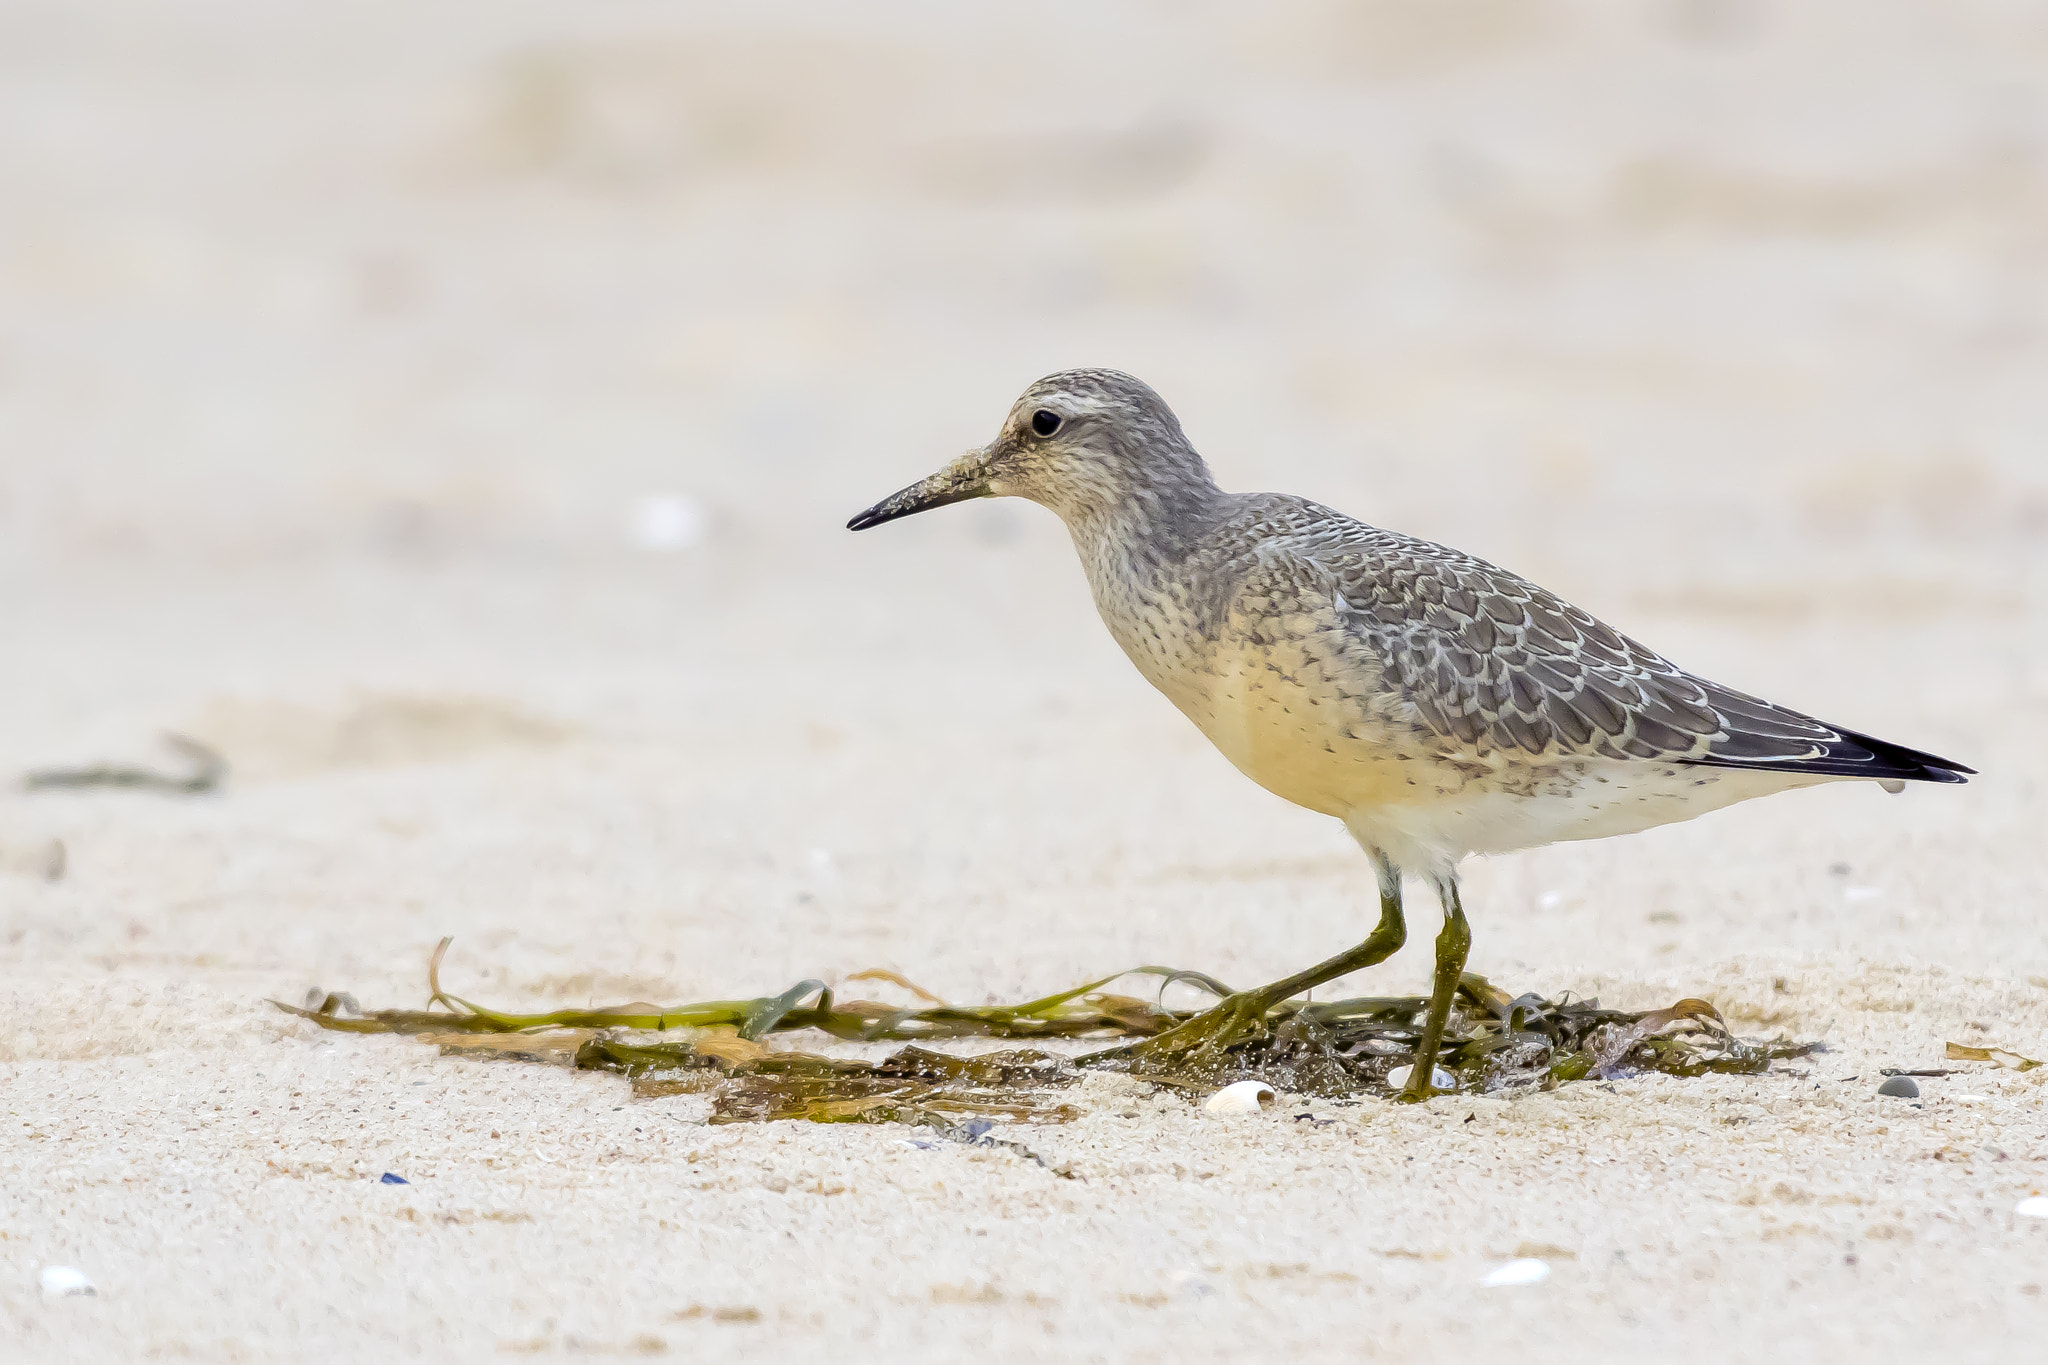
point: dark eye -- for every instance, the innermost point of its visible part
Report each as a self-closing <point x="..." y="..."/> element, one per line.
<point x="1045" y="421"/>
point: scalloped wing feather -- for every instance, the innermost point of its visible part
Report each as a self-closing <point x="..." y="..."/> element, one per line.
<point x="1489" y="661"/>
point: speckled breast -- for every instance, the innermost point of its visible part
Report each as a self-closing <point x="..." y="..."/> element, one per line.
<point x="1270" y="696"/>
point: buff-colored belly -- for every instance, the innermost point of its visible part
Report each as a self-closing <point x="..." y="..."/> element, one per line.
<point x="1286" y="728"/>
<point x="1306" y="739"/>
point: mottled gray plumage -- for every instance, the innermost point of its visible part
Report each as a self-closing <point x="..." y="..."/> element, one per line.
<point x="1437" y="704"/>
<point x="1490" y="661"/>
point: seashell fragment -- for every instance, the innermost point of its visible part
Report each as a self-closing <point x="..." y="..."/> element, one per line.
<point x="2035" y="1207"/>
<point x="1522" y="1270"/>
<point x="1240" y="1097"/>
<point x="61" y="1281"/>
<point x="1439" y="1079"/>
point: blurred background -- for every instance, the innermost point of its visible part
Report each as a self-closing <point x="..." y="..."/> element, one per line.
<point x="450" y="413"/>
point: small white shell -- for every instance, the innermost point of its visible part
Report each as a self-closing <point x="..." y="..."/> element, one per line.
<point x="667" y="522"/>
<point x="2036" y="1207"/>
<point x="1240" y="1097"/>
<point x="1525" y="1270"/>
<point x="1439" y="1079"/>
<point x="61" y="1281"/>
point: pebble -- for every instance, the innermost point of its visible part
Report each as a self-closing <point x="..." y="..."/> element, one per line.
<point x="2035" y="1207"/>
<point x="1523" y="1270"/>
<point x="1240" y="1097"/>
<point x="389" y="1179"/>
<point x="1439" y="1078"/>
<point x="62" y="1282"/>
<point x="1903" y="1087"/>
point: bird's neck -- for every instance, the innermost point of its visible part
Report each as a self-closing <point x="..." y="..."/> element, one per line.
<point x="1137" y="553"/>
<point x="1133" y="545"/>
<point x="1141" y="525"/>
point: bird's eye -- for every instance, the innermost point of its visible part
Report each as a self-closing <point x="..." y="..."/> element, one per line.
<point x="1045" y="421"/>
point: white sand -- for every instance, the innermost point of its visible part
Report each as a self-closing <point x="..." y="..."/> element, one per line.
<point x="339" y="355"/>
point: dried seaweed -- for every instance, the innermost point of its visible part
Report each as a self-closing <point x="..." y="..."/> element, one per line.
<point x="1962" y="1052"/>
<point x="205" y="770"/>
<point x="1337" y="1049"/>
<point x="911" y="1086"/>
<point x="1492" y="1043"/>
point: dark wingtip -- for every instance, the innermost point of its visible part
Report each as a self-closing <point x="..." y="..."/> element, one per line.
<point x="1911" y="765"/>
<point x="1850" y="753"/>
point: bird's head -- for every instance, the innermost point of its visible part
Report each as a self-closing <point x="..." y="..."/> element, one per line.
<point x="1081" y="442"/>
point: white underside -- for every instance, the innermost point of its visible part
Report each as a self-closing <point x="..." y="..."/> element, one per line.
<point x="1430" y="837"/>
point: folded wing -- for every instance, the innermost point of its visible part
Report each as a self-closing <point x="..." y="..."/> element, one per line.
<point x="1491" y="661"/>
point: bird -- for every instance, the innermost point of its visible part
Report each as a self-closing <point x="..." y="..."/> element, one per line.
<point x="1440" y="707"/>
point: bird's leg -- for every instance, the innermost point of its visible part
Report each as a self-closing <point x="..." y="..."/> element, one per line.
<point x="1452" y="944"/>
<point x="1201" y="1041"/>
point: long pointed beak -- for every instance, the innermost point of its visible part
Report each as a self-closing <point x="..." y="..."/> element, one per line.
<point x="966" y="477"/>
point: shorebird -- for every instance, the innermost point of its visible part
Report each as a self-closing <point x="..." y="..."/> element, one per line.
<point x="1436" y="704"/>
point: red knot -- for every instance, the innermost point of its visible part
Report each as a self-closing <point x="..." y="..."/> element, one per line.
<point x="1436" y="704"/>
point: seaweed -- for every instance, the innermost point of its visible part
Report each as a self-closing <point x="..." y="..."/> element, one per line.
<point x="205" y="770"/>
<point x="1962" y="1052"/>
<point x="1339" y="1049"/>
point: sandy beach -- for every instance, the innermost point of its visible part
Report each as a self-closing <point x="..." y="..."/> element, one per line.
<point x="451" y="415"/>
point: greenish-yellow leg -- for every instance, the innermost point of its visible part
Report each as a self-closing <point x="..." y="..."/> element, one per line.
<point x="1235" y="1017"/>
<point x="1452" y="944"/>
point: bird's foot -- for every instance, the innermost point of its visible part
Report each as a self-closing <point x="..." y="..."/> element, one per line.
<point x="1196" y="1048"/>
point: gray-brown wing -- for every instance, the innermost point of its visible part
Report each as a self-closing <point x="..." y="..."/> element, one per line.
<point x="1491" y="661"/>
